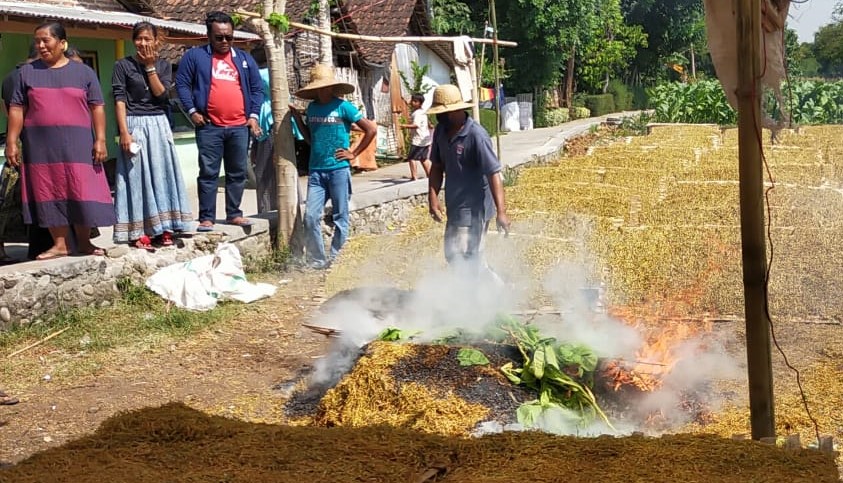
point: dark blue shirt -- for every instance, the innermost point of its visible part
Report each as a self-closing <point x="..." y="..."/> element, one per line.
<point x="469" y="160"/>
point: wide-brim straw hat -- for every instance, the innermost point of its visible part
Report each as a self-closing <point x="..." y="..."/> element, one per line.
<point x="447" y="98"/>
<point x="323" y="76"/>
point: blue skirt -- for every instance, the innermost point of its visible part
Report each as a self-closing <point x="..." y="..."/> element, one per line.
<point x="150" y="196"/>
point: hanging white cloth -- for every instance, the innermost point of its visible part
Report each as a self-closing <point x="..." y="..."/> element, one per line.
<point x="464" y="56"/>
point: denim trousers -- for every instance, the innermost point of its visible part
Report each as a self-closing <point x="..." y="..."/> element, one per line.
<point x="231" y="146"/>
<point x="321" y="186"/>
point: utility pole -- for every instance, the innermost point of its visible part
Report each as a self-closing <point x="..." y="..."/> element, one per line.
<point x="753" y="242"/>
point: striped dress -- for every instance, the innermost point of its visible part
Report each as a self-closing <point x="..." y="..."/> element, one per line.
<point x="61" y="184"/>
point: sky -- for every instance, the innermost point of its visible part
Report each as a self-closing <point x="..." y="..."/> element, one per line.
<point x="807" y="18"/>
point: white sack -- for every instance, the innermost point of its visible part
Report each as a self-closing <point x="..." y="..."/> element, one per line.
<point x="200" y="283"/>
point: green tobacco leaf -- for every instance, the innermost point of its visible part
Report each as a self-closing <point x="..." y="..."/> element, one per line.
<point x="392" y="334"/>
<point x="529" y="413"/>
<point x="537" y="367"/>
<point x="471" y="357"/>
<point x="514" y="375"/>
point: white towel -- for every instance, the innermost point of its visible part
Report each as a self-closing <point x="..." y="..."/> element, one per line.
<point x="464" y="56"/>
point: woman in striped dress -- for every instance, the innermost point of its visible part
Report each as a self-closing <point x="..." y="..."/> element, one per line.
<point x="55" y="106"/>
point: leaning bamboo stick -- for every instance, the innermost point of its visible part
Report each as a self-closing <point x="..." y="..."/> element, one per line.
<point x="377" y="38"/>
<point x="35" y="344"/>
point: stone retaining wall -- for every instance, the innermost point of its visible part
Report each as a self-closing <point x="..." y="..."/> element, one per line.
<point x="32" y="290"/>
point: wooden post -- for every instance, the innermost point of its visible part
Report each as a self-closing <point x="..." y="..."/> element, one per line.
<point x="753" y="242"/>
<point x="497" y="77"/>
<point x="119" y="49"/>
<point x="693" y="63"/>
<point x="475" y="110"/>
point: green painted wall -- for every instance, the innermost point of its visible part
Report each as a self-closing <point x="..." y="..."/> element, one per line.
<point x="15" y="48"/>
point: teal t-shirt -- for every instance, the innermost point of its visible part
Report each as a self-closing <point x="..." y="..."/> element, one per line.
<point x="330" y="126"/>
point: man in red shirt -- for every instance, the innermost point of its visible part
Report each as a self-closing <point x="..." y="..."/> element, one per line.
<point x="220" y="87"/>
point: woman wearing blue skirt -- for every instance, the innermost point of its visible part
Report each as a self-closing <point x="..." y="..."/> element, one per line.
<point x="150" y="198"/>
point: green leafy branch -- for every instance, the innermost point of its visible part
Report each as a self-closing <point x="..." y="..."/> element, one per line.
<point x="279" y="22"/>
<point x="418" y="85"/>
<point x="562" y="374"/>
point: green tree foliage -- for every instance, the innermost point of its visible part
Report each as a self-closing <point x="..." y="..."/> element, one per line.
<point x="546" y="32"/>
<point x="671" y="27"/>
<point x="794" y="53"/>
<point x="611" y="46"/>
<point x="451" y="17"/>
<point x="417" y="85"/>
<point x="828" y="49"/>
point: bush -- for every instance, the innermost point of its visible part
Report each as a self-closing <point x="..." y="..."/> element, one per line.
<point x="814" y="102"/>
<point x="700" y="102"/>
<point x="640" y="100"/>
<point x="555" y="117"/>
<point x="621" y="94"/>
<point x="580" y="112"/>
<point x="579" y="99"/>
<point x="601" y="104"/>
<point x="488" y="119"/>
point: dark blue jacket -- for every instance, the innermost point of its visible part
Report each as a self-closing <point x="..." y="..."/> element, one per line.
<point x="193" y="80"/>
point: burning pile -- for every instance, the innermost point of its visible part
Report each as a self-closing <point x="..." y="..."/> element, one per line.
<point x="512" y="374"/>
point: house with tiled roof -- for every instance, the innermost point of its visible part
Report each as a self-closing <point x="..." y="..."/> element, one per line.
<point x="374" y="66"/>
<point x="365" y="64"/>
<point x="100" y="29"/>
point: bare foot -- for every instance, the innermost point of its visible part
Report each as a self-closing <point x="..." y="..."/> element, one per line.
<point x="50" y="254"/>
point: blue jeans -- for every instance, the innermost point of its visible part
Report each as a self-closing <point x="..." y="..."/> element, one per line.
<point x="228" y="144"/>
<point x="321" y="185"/>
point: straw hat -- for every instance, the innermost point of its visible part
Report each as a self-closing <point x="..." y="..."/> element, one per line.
<point x="323" y="76"/>
<point x="447" y="98"/>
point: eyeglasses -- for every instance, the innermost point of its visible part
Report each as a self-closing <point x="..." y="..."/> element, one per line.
<point x="220" y="38"/>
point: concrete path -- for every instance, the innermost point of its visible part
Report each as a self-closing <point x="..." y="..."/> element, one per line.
<point x="390" y="182"/>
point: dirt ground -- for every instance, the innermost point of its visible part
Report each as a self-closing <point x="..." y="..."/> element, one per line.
<point x="228" y="370"/>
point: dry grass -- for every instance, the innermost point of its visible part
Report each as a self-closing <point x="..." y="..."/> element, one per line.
<point x="653" y="215"/>
<point x="175" y="443"/>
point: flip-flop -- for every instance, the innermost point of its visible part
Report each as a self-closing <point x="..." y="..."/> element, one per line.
<point x="8" y="401"/>
<point x="50" y="255"/>
<point x="144" y="243"/>
<point x="240" y="221"/>
<point x="95" y="251"/>
<point x="167" y="239"/>
<point x="205" y="228"/>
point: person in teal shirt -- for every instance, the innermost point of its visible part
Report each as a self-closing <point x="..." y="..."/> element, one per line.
<point x="327" y="129"/>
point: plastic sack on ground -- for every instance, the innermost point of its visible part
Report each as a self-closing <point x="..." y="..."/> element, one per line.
<point x="511" y="117"/>
<point x="200" y="283"/>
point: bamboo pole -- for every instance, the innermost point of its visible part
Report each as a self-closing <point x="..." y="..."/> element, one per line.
<point x="375" y="38"/>
<point x="475" y="81"/>
<point x="37" y="343"/>
<point x="753" y="242"/>
<point x="497" y="77"/>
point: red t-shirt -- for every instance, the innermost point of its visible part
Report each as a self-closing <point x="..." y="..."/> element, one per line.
<point x="226" y="106"/>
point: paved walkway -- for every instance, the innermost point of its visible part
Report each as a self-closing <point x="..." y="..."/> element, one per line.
<point x="392" y="182"/>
